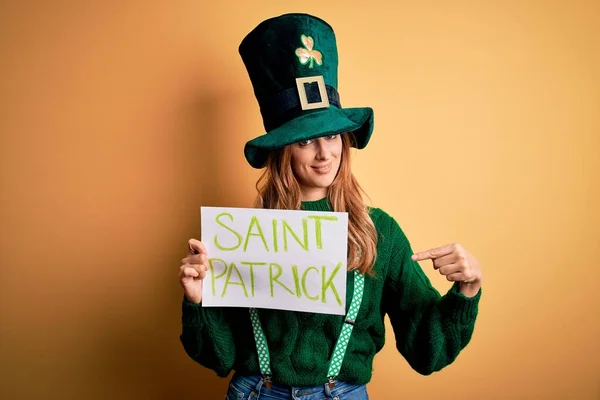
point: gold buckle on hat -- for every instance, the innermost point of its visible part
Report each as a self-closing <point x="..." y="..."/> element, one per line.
<point x="324" y="103"/>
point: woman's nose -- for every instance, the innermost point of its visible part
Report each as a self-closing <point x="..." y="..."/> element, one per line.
<point x="323" y="151"/>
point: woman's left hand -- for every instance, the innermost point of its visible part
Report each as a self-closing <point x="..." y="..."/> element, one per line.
<point x="456" y="264"/>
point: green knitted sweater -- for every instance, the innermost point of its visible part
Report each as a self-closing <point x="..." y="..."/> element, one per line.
<point x="430" y="329"/>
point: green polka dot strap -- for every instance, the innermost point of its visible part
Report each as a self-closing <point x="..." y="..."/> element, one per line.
<point x="335" y="365"/>
<point x="264" y="359"/>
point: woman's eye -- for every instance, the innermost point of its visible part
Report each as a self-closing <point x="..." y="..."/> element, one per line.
<point x="306" y="142"/>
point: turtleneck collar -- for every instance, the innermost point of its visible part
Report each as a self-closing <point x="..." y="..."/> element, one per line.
<point x="317" y="205"/>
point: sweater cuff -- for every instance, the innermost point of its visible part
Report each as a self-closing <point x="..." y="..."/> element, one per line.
<point x="192" y="314"/>
<point x="465" y="308"/>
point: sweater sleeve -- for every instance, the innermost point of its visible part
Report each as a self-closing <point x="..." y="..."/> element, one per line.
<point x="207" y="337"/>
<point x="430" y="329"/>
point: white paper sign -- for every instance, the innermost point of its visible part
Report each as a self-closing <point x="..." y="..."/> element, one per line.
<point x="278" y="259"/>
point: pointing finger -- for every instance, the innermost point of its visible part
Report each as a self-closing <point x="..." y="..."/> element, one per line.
<point x="434" y="253"/>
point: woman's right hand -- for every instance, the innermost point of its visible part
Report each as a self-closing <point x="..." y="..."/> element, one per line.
<point x="193" y="270"/>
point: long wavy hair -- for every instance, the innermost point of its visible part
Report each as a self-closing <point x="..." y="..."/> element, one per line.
<point x="278" y="189"/>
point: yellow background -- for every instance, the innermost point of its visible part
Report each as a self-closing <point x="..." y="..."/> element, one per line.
<point x="118" y="120"/>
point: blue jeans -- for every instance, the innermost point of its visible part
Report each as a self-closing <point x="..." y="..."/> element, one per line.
<point x="253" y="388"/>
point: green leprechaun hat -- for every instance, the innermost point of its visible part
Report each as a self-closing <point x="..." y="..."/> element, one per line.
<point x="292" y="62"/>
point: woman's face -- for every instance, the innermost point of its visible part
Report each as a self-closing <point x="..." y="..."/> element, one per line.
<point x="315" y="163"/>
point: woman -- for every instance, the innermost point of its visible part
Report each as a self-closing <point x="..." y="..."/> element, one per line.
<point x="292" y="63"/>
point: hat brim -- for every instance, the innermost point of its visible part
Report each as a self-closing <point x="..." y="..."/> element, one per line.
<point x="331" y="121"/>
